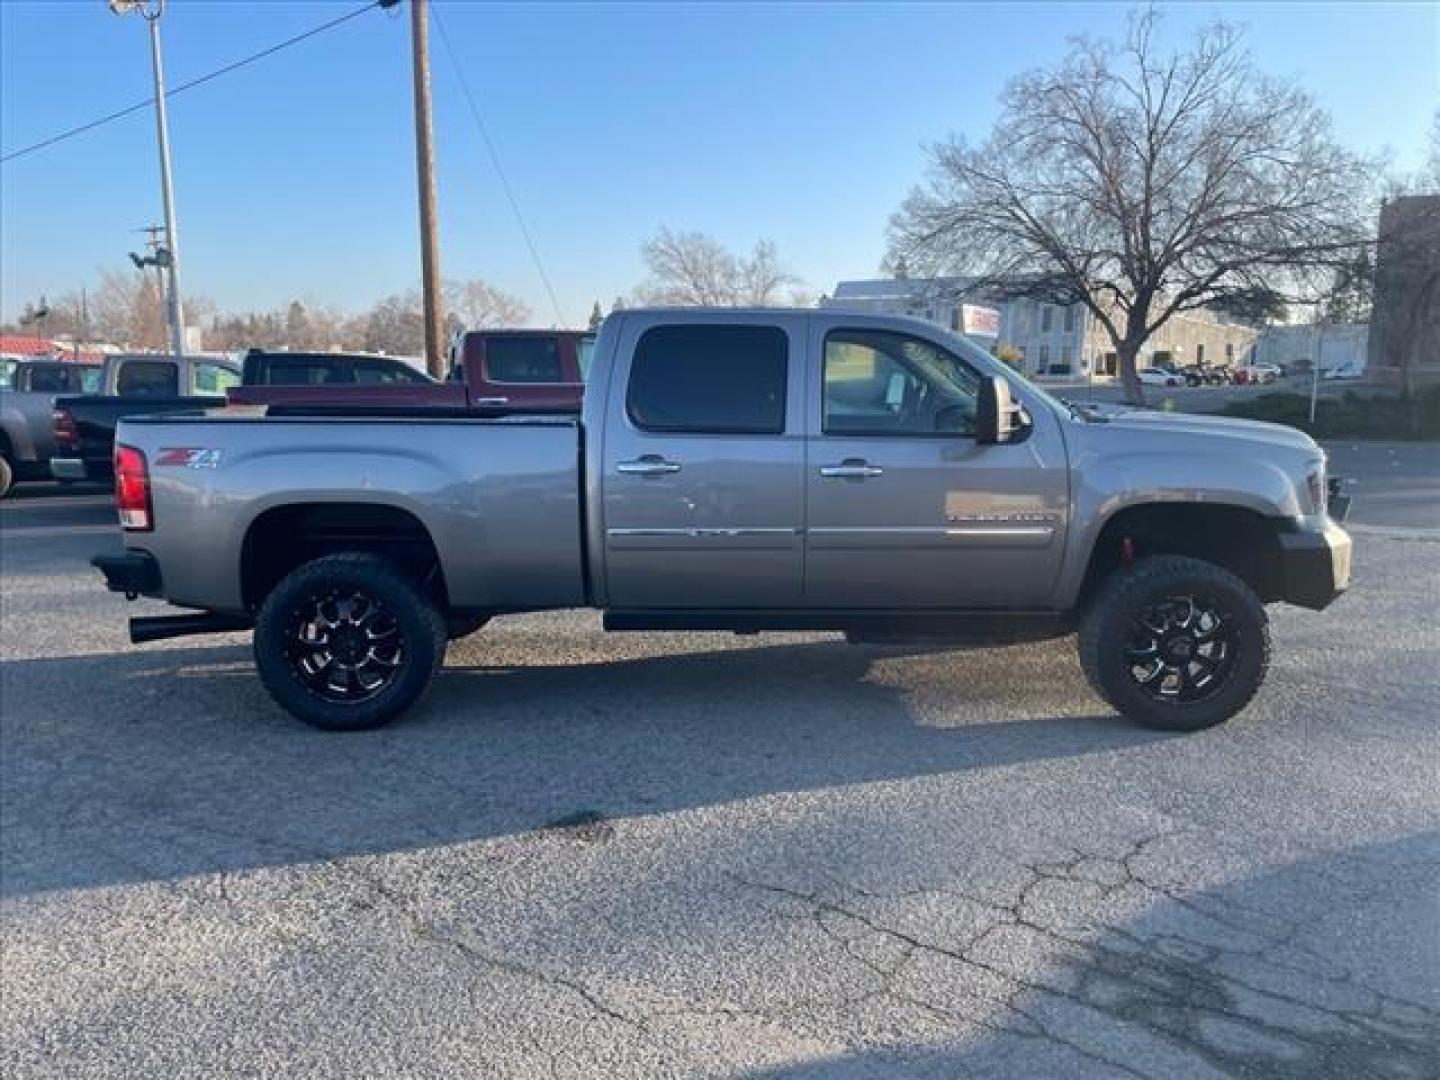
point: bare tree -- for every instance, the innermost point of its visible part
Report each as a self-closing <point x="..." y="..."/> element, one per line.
<point x="1143" y="183"/>
<point x="476" y="304"/>
<point x="692" y="269"/>
<point x="396" y="325"/>
<point x="127" y="309"/>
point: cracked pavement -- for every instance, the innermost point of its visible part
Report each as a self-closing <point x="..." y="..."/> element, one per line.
<point x="697" y="855"/>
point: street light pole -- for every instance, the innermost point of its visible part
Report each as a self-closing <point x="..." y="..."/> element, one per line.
<point x="174" y="313"/>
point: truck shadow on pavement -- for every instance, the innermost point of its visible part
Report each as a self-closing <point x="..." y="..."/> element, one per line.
<point x="186" y="767"/>
<point x="1305" y="971"/>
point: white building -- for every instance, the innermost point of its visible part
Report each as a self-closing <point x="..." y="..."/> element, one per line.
<point x="1051" y="339"/>
<point x="1338" y="345"/>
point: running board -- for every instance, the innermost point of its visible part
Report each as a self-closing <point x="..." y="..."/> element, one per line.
<point x="859" y="625"/>
<point x="145" y="628"/>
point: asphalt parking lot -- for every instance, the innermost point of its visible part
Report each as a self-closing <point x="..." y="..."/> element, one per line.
<point x="700" y="855"/>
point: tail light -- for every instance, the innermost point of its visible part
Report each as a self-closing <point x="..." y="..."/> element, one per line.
<point x="67" y="435"/>
<point x="132" y="489"/>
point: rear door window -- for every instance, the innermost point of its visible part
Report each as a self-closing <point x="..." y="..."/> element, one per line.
<point x="719" y="379"/>
<point x="301" y="371"/>
<point x="375" y="373"/>
<point x="49" y="380"/>
<point x="523" y="360"/>
<point x="148" y="378"/>
<point x="585" y="356"/>
<point x="214" y="379"/>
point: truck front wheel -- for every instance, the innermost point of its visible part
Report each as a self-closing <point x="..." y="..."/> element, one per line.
<point x="346" y="642"/>
<point x="1175" y="643"/>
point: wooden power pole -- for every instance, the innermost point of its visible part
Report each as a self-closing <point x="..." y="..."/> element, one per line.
<point x="425" y="170"/>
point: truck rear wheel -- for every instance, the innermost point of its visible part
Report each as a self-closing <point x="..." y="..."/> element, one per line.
<point x="347" y="642"/>
<point x="1176" y="643"/>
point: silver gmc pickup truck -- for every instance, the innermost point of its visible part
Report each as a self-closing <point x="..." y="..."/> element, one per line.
<point x="737" y="470"/>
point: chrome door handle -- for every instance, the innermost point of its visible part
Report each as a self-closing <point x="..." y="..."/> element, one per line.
<point x="649" y="465"/>
<point x="851" y="470"/>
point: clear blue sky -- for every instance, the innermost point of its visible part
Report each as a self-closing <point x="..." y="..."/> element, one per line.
<point x="804" y="123"/>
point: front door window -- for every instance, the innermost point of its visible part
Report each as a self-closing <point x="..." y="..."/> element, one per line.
<point x="884" y="383"/>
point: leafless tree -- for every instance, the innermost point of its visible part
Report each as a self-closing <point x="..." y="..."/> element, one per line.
<point x="127" y="309"/>
<point x="396" y="325"/>
<point x="476" y="304"/>
<point x="1143" y="183"/>
<point x="692" y="269"/>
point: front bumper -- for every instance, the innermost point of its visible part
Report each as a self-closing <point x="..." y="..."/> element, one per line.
<point x="134" y="573"/>
<point x="1315" y="566"/>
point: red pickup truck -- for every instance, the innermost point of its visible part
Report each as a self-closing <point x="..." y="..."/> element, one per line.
<point x="541" y="368"/>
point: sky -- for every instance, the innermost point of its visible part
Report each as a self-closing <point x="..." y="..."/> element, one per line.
<point x="804" y="123"/>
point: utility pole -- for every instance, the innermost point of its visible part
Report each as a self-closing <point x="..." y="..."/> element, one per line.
<point x="425" y="171"/>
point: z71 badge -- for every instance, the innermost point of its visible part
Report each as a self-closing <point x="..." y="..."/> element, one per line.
<point x="189" y="457"/>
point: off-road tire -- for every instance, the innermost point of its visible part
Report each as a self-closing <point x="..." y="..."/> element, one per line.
<point x="1109" y="620"/>
<point x="418" y="619"/>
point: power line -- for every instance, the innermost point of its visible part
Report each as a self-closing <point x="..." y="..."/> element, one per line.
<point x="495" y="160"/>
<point x="120" y="113"/>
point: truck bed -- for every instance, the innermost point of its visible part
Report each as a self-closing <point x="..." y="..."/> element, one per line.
<point x="500" y="498"/>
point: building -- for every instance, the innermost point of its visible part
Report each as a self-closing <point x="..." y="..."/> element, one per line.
<point x="1405" y="320"/>
<point x="1050" y="339"/>
<point x="1296" y="348"/>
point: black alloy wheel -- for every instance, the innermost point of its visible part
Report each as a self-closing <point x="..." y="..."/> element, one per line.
<point x="348" y="641"/>
<point x="1176" y="643"/>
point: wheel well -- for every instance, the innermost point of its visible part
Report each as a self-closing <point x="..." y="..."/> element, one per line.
<point x="281" y="539"/>
<point x="1242" y="541"/>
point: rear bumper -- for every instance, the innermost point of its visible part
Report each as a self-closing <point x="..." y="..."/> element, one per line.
<point x="1315" y="565"/>
<point x="134" y="573"/>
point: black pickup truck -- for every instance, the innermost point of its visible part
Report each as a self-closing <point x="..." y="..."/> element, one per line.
<point x="133" y="384"/>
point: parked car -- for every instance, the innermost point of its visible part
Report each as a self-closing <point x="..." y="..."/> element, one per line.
<point x="1153" y="376"/>
<point x="26" y="403"/>
<point x="1200" y="375"/>
<point x="1255" y="374"/>
<point x="736" y="470"/>
<point x="1351" y="369"/>
<point x="492" y="368"/>
<point x="131" y="384"/>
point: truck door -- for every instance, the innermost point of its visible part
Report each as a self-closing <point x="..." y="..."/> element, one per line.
<point x="905" y="509"/>
<point x="703" y="464"/>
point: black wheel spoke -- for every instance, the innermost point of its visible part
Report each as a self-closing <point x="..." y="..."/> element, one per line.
<point x="345" y="646"/>
<point x="1182" y="648"/>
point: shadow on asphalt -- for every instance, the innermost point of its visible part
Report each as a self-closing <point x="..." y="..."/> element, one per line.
<point x="1286" y="975"/>
<point x="188" y="768"/>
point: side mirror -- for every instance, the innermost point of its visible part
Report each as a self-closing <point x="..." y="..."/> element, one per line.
<point x="997" y="417"/>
